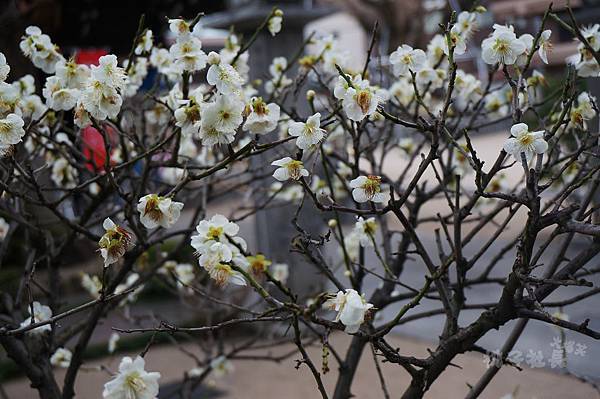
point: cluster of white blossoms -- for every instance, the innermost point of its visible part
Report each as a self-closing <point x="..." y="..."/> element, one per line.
<point x="359" y="99"/>
<point x="132" y="381"/>
<point x="158" y="211"/>
<point x="38" y="47"/>
<point x="219" y="248"/>
<point x="584" y="61"/>
<point x="351" y="308"/>
<point x="279" y="79"/>
<point x="504" y="47"/>
<point x="186" y="52"/>
<point x="91" y="91"/>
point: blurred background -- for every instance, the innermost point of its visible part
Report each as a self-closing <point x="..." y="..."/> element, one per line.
<point x="87" y="29"/>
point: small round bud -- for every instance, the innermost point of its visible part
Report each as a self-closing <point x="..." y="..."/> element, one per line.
<point x="213" y="58"/>
<point x="347" y="273"/>
<point x="278" y="13"/>
<point x="480" y="9"/>
<point x="332" y="223"/>
<point x="310" y="95"/>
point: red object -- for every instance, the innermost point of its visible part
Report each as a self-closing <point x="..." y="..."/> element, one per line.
<point x="94" y="149"/>
<point x="89" y="56"/>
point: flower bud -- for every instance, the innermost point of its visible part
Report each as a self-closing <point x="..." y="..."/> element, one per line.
<point x="310" y="95"/>
<point x="278" y="13"/>
<point x="332" y="223"/>
<point x="213" y="58"/>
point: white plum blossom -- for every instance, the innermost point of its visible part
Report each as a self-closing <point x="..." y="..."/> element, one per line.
<point x="545" y="45"/>
<point x="32" y="107"/>
<point x="9" y="96"/>
<point x="61" y="358"/>
<point x="108" y="72"/>
<point x="496" y="104"/>
<point x="57" y="97"/>
<point x="525" y="142"/>
<point x="144" y="44"/>
<point x="406" y="59"/>
<point x="278" y="66"/>
<point x="92" y="284"/>
<point x="467" y="24"/>
<point x="458" y="41"/>
<point x="220" y="120"/>
<point x="101" y="100"/>
<point x="11" y="130"/>
<point x="25" y="85"/>
<point x="4" y="68"/>
<point x="224" y="76"/>
<point x="132" y="381"/>
<point x="502" y="46"/>
<point x="274" y="24"/>
<point x="584" y="61"/>
<point x="215" y="260"/>
<point x="434" y="78"/>
<point x="351" y="308"/>
<point x="278" y="80"/>
<point x="365" y="230"/>
<point x="436" y="49"/>
<point x="584" y="111"/>
<point x="179" y="27"/>
<point x="184" y="273"/>
<point x="309" y="133"/>
<point x="71" y="74"/>
<point x="113" y="243"/>
<point x="135" y="77"/>
<point x="289" y="169"/>
<point x="263" y="118"/>
<point x="158" y="211"/>
<point x="187" y="53"/>
<point x="280" y="272"/>
<point x="360" y="100"/>
<point x="40" y="313"/>
<point x="187" y="117"/>
<point x="367" y="188"/>
<point x="218" y="248"/>
<point x="40" y="49"/>
<point x="161" y="59"/>
<point x="215" y="229"/>
<point x="129" y="283"/>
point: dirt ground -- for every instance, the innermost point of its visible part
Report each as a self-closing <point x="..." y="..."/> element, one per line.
<point x="252" y="379"/>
